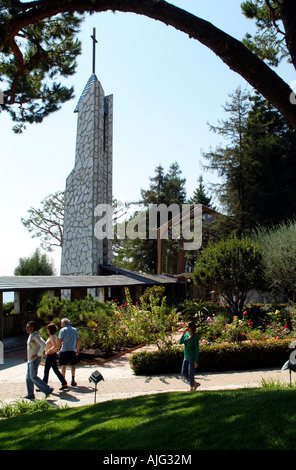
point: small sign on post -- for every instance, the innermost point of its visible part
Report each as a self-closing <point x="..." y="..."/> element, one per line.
<point x="95" y="378"/>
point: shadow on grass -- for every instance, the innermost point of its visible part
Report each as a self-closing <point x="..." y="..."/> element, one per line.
<point x="241" y="419"/>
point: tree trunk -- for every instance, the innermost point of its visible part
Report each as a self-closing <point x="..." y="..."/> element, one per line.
<point x="289" y="21"/>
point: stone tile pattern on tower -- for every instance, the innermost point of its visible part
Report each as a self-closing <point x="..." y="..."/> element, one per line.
<point x="89" y="184"/>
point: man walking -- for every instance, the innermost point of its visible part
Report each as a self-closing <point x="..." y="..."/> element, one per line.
<point x="68" y="344"/>
<point x="35" y="348"/>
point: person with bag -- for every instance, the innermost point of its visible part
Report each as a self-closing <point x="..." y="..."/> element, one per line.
<point x="190" y="340"/>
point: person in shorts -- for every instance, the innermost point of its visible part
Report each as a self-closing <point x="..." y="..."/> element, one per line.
<point x="68" y="343"/>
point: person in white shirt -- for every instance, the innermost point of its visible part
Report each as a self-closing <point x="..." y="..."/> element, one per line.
<point x="35" y="348"/>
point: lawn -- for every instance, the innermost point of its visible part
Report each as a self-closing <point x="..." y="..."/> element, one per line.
<point x="246" y="419"/>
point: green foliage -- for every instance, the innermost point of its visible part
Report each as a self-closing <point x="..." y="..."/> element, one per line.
<point x="251" y="192"/>
<point x="36" y="265"/>
<point x="81" y="310"/>
<point x="152" y="295"/>
<point x="8" y="308"/>
<point x="92" y="318"/>
<point x="21" y="407"/>
<point x="157" y="362"/>
<point x="140" y="254"/>
<point x="152" y="322"/>
<point x="214" y="358"/>
<point x="200" y="196"/>
<point x="268" y="43"/>
<point x="278" y="247"/>
<point x="42" y="54"/>
<point x="111" y="326"/>
<point x="231" y="265"/>
<point x="257" y="323"/>
<point x="196" y="310"/>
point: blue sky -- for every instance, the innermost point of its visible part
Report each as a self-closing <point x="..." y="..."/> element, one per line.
<point x="166" y="88"/>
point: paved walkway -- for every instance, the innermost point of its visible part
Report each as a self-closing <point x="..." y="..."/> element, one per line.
<point x="119" y="381"/>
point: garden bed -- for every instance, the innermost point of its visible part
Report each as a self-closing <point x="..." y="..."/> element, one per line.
<point x="92" y="357"/>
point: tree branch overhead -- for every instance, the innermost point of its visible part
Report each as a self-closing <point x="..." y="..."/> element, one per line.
<point x="231" y="51"/>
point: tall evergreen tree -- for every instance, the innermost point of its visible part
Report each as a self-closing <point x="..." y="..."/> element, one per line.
<point x="165" y="188"/>
<point x="36" y="265"/>
<point x="270" y="143"/>
<point x="231" y="161"/>
<point x="200" y="196"/>
<point x="258" y="169"/>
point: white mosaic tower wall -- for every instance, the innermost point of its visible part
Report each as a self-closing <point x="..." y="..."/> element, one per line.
<point x="89" y="184"/>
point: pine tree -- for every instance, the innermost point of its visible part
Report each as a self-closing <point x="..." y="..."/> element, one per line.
<point x="258" y="168"/>
<point x="270" y="142"/>
<point x="200" y="196"/>
<point x="231" y="161"/>
<point x="165" y="188"/>
<point x="269" y="41"/>
<point x="43" y="52"/>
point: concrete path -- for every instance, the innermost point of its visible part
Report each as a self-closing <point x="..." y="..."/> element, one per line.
<point x="119" y="381"/>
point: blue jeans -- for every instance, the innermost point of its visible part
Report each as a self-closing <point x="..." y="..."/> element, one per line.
<point x="32" y="379"/>
<point x="188" y="371"/>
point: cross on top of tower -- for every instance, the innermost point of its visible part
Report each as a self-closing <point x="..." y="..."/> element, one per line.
<point x="94" y="50"/>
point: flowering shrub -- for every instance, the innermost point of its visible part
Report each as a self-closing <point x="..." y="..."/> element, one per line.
<point x="149" y="322"/>
<point x="109" y="325"/>
<point x="257" y="323"/>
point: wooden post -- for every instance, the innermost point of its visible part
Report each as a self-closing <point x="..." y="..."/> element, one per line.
<point x="160" y="245"/>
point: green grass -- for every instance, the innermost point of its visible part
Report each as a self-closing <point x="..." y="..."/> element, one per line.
<point x="247" y="419"/>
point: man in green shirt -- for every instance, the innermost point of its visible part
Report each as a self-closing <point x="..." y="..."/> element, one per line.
<point x="190" y="340"/>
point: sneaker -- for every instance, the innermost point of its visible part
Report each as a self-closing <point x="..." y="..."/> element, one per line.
<point x="29" y="398"/>
<point x="49" y="392"/>
<point x="73" y="383"/>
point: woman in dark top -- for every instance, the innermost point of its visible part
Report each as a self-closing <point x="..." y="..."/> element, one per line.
<point x="51" y="357"/>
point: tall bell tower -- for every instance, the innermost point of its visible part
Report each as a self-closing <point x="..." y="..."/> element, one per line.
<point x="90" y="182"/>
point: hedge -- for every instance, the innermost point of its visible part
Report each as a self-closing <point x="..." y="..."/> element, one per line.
<point x="215" y="358"/>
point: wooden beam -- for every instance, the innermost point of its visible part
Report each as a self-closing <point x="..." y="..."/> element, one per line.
<point x="160" y="245"/>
